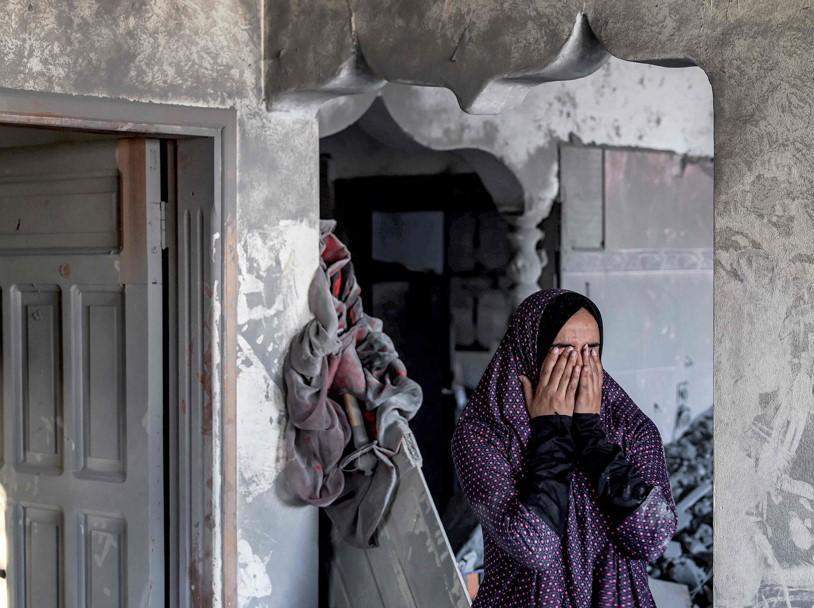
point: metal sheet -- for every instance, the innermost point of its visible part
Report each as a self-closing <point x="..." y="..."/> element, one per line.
<point x="413" y="566"/>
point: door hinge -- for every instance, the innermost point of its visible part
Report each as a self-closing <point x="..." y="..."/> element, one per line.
<point x="163" y="209"/>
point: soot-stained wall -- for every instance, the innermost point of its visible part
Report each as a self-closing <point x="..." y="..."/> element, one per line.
<point x="209" y="54"/>
<point x="623" y="104"/>
<point x="757" y="58"/>
<point x="243" y="54"/>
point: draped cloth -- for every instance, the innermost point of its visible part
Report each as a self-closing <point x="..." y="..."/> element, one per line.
<point x="342" y="351"/>
<point x="599" y="561"/>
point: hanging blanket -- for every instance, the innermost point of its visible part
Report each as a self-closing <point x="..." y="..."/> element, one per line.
<point x="348" y="399"/>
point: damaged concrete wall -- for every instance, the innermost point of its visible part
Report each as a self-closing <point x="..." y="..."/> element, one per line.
<point x="209" y="54"/>
<point x="624" y="105"/>
<point x="647" y="263"/>
<point x="757" y="57"/>
<point x="621" y="104"/>
<point x="277" y="254"/>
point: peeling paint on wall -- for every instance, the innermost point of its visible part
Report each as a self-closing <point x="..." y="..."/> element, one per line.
<point x="254" y="582"/>
<point x="276" y="261"/>
<point x="275" y="270"/>
<point x="202" y="52"/>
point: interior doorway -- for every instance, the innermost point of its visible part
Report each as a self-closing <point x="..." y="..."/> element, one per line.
<point x="599" y="200"/>
<point x="408" y="236"/>
<point x="104" y="257"/>
<point x="81" y="275"/>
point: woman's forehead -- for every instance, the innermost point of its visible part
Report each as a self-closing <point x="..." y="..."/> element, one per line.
<point x="580" y="329"/>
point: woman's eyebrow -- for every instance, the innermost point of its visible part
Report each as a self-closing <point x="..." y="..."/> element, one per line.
<point x="563" y="344"/>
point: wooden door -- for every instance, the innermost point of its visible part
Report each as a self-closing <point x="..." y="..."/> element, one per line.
<point x="82" y="385"/>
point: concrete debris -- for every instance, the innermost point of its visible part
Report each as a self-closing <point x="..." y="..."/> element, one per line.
<point x="470" y="556"/>
<point x="688" y="558"/>
<point x="669" y="595"/>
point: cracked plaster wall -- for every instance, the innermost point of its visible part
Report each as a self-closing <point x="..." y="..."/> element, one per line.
<point x="757" y="56"/>
<point x="208" y="53"/>
<point x="622" y="104"/>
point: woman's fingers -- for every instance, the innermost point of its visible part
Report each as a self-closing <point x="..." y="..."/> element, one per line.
<point x="587" y="368"/>
<point x="597" y="362"/>
<point x="583" y="381"/>
<point x="596" y="371"/>
<point x="526" y="391"/>
<point x="592" y="382"/>
<point x="556" y="373"/>
<point x="571" y="391"/>
<point x="548" y="365"/>
<point x="565" y="377"/>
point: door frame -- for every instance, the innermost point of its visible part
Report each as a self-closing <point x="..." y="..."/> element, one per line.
<point x="212" y="477"/>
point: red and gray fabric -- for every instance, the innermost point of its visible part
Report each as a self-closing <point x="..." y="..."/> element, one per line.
<point x="619" y="512"/>
<point x="343" y="351"/>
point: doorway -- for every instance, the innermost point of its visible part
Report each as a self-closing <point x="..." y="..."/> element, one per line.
<point x="409" y="238"/>
<point x="103" y="262"/>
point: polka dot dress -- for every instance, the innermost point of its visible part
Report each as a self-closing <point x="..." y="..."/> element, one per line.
<point x="526" y="565"/>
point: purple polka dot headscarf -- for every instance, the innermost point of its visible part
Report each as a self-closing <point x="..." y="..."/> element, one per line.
<point x="527" y="565"/>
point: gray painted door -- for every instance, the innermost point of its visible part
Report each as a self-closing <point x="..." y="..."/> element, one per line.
<point x="82" y="463"/>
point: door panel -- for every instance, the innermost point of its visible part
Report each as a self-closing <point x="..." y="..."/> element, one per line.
<point x="40" y="549"/>
<point x="36" y="373"/>
<point x="99" y="327"/>
<point x="82" y="374"/>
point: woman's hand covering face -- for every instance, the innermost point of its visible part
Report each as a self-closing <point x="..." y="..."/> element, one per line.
<point x="589" y="391"/>
<point x="556" y="388"/>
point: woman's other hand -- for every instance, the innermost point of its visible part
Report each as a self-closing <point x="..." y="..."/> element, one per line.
<point x="556" y="388"/>
<point x="589" y="392"/>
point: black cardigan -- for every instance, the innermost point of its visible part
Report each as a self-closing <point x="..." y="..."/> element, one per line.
<point x="556" y="444"/>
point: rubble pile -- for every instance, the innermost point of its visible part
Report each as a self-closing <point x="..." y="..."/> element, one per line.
<point x="688" y="558"/>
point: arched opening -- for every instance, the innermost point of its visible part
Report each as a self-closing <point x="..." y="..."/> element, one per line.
<point x="603" y="186"/>
<point x="430" y="249"/>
